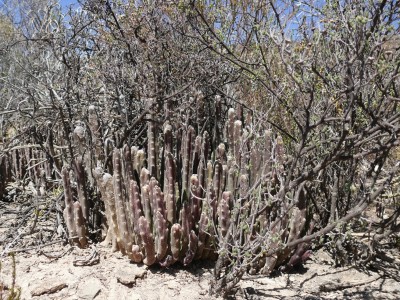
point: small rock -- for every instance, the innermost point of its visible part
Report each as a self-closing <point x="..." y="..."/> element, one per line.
<point x="89" y="289"/>
<point x="129" y="275"/>
<point x="139" y="271"/>
<point x="118" y="292"/>
<point x="48" y="287"/>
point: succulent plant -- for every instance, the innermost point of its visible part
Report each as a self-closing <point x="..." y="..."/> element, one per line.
<point x="192" y="193"/>
<point x="69" y="215"/>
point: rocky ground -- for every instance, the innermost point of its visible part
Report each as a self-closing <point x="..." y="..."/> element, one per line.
<point x="59" y="272"/>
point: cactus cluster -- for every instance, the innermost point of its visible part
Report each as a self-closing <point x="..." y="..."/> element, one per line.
<point x="73" y="214"/>
<point x="164" y="222"/>
<point x="29" y="161"/>
<point x="5" y="173"/>
<point x="182" y="197"/>
<point x="177" y="199"/>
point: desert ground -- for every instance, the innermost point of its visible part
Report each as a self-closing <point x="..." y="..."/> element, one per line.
<point x="48" y="268"/>
<point x="64" y="272"/>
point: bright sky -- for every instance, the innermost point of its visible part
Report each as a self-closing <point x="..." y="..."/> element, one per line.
<point x="67" y="2"/>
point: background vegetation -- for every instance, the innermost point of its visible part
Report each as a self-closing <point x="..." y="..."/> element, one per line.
<point x="270" y="123"/>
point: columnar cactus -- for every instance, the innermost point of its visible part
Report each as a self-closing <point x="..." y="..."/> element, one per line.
<point x="22" y="159"/>
<point x="146" y="202"/>
<point x="15" y="163"/>
<point x="73" y="214"/>
<point x="123" y="227"/>
<point x="156" y="203"/>
<point x="196" y="156"/>
<point x="5" y="172"/>
<point x="105" y="183"/>
<point x="195" y="200"/>
<point x="175" y="241"/>
<point x="256" y="164"/>
<point x="127" y="164"/>
<point x="137" y="255"/>
<point x="79" y="136"/>
<point x="69" y="215"/>
<point x="128" y="172"/>
<point x="206" y="146"/>
<point x="192" y="248"/>
<point x="224" y="214"/>
<point x="218" y="129"/>
<point x="210" y="205"/>
<point x="221" y="154"/>
<point x="217" y="180"/>
<point x="168" y="137"/>
<point x="237" y="138"/>
<point x="108" y="150"/>
<point x="139" y="160"/>
<point x="151" y="149"/>
<point x="135" y="205"/>
<point x="80" y="224"/>
<point x="81" y="182"/>
<point x="201" y="168"/>
<point x="232" y="175"/>
<point x="169" y="187"/>
<point x="161" y="236"/>
<point x="144" y="189"/>
<point x="159" y="219"/>
<point x="147" y="241"/>
<point x="248" y="119"/>
<point x="229" y="128"/>
<point x="186" y="221"/>
<point x="203" y="233"/>
<point x="187" y="146"/>
<point x="244" y="154"/>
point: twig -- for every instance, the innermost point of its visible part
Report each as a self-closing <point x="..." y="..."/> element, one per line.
<point x="30" y="248"/>
<point x="335" y="286"/>
<point x="56" y="256"/>
<point x="93" y="259"/>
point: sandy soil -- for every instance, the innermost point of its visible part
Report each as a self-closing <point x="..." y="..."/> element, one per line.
<point x="112" y="276"/>
<point x="63" y="272"/>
